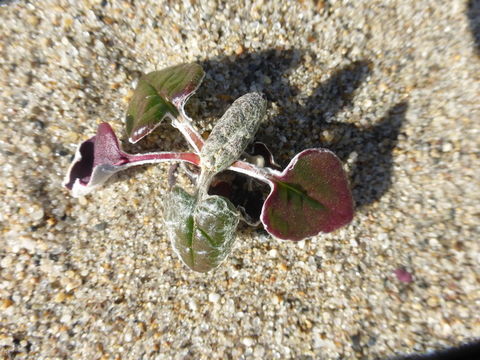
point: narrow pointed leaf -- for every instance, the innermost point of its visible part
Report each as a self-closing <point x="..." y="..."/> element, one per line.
<point x="230" y="136"/>
<point x="161" y="94"/>
<point x="311" y="195"/>
<point x="202" y="233"/>
<point x="233" y="132"/>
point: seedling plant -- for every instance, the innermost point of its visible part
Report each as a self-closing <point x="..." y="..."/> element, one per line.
<point x="311" y="195"/>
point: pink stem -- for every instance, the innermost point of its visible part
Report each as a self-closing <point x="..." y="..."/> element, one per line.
<point x="266" y="175"/>
<point x="164" y="156"/>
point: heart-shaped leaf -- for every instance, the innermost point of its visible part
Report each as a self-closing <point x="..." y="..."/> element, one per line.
<point x="310" y="196"/>
<point x="161" y="94"/>
<point x="202" y="232"/>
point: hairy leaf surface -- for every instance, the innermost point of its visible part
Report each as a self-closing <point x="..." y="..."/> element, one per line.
<point x="233" y="132"/>
<point x="202" y="232"/>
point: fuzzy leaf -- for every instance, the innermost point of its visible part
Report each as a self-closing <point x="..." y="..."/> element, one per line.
<point x="311" y="195"/>
<point x="233" y="132"/>
<point x="161" y="94"/>
<point x="202" y="233"/>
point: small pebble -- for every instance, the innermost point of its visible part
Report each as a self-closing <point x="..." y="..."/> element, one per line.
<point x="6" y="303"/>
<point x="433" y="301"/>
<point x="213" y="297"/>
<point x="447" y="147"/>
<point x="248" y="341"/>
<point x="60" y="297"/>
<point x="403" y="276"/>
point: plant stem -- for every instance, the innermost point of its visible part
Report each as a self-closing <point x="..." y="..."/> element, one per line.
<point x="184" y="125"/>
<point x="266" y="174"/>
<point x="203" y="183"/>
<point x="151" y="158"/>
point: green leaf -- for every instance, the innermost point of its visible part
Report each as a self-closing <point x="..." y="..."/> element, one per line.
<point x="161" y="94"/>
<point x="311" y="196"/>
<point x="202" y="232"/>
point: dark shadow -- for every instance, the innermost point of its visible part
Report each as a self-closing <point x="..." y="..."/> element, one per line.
<point x="473" y="14"/>
<point x="229" y="77"/>
<point x="332" y="96"/>
<point x="371" y="171"/>
<point x="465" y="352"/>
<point x="6" y="2"/>
<point x="373" y="146"/>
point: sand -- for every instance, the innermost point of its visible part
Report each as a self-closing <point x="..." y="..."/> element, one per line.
<point x="392" y="87"/>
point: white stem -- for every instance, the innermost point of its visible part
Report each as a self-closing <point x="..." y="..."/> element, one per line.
<point x="193" y="137"/>
<point x="266" y="175"/>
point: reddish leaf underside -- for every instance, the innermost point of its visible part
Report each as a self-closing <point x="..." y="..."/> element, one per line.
<point x="101" y="149"/>
<point x="99" y="157"/>
<point x="311" y="196"/>
<point x="107" y="148"/>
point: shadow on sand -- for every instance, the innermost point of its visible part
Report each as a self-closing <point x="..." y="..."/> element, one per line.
<point x="473" y="14"/>
<point x="232" y="76"/>
<point x="469" y="351"/>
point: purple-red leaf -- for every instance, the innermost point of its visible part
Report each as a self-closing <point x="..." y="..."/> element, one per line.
<point x="161" y="94"/>
<point x="310" y="196"/>
<point x="99" y="157"/>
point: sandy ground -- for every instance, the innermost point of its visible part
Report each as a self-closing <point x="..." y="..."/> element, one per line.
<point x="392" y="87"/>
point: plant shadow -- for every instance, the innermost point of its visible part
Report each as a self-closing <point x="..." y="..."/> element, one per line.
<point x="469" y="351"/>
<point x="229" y="77"/>
<point x="371" y="171"/>
<point x="473" y="14"/>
